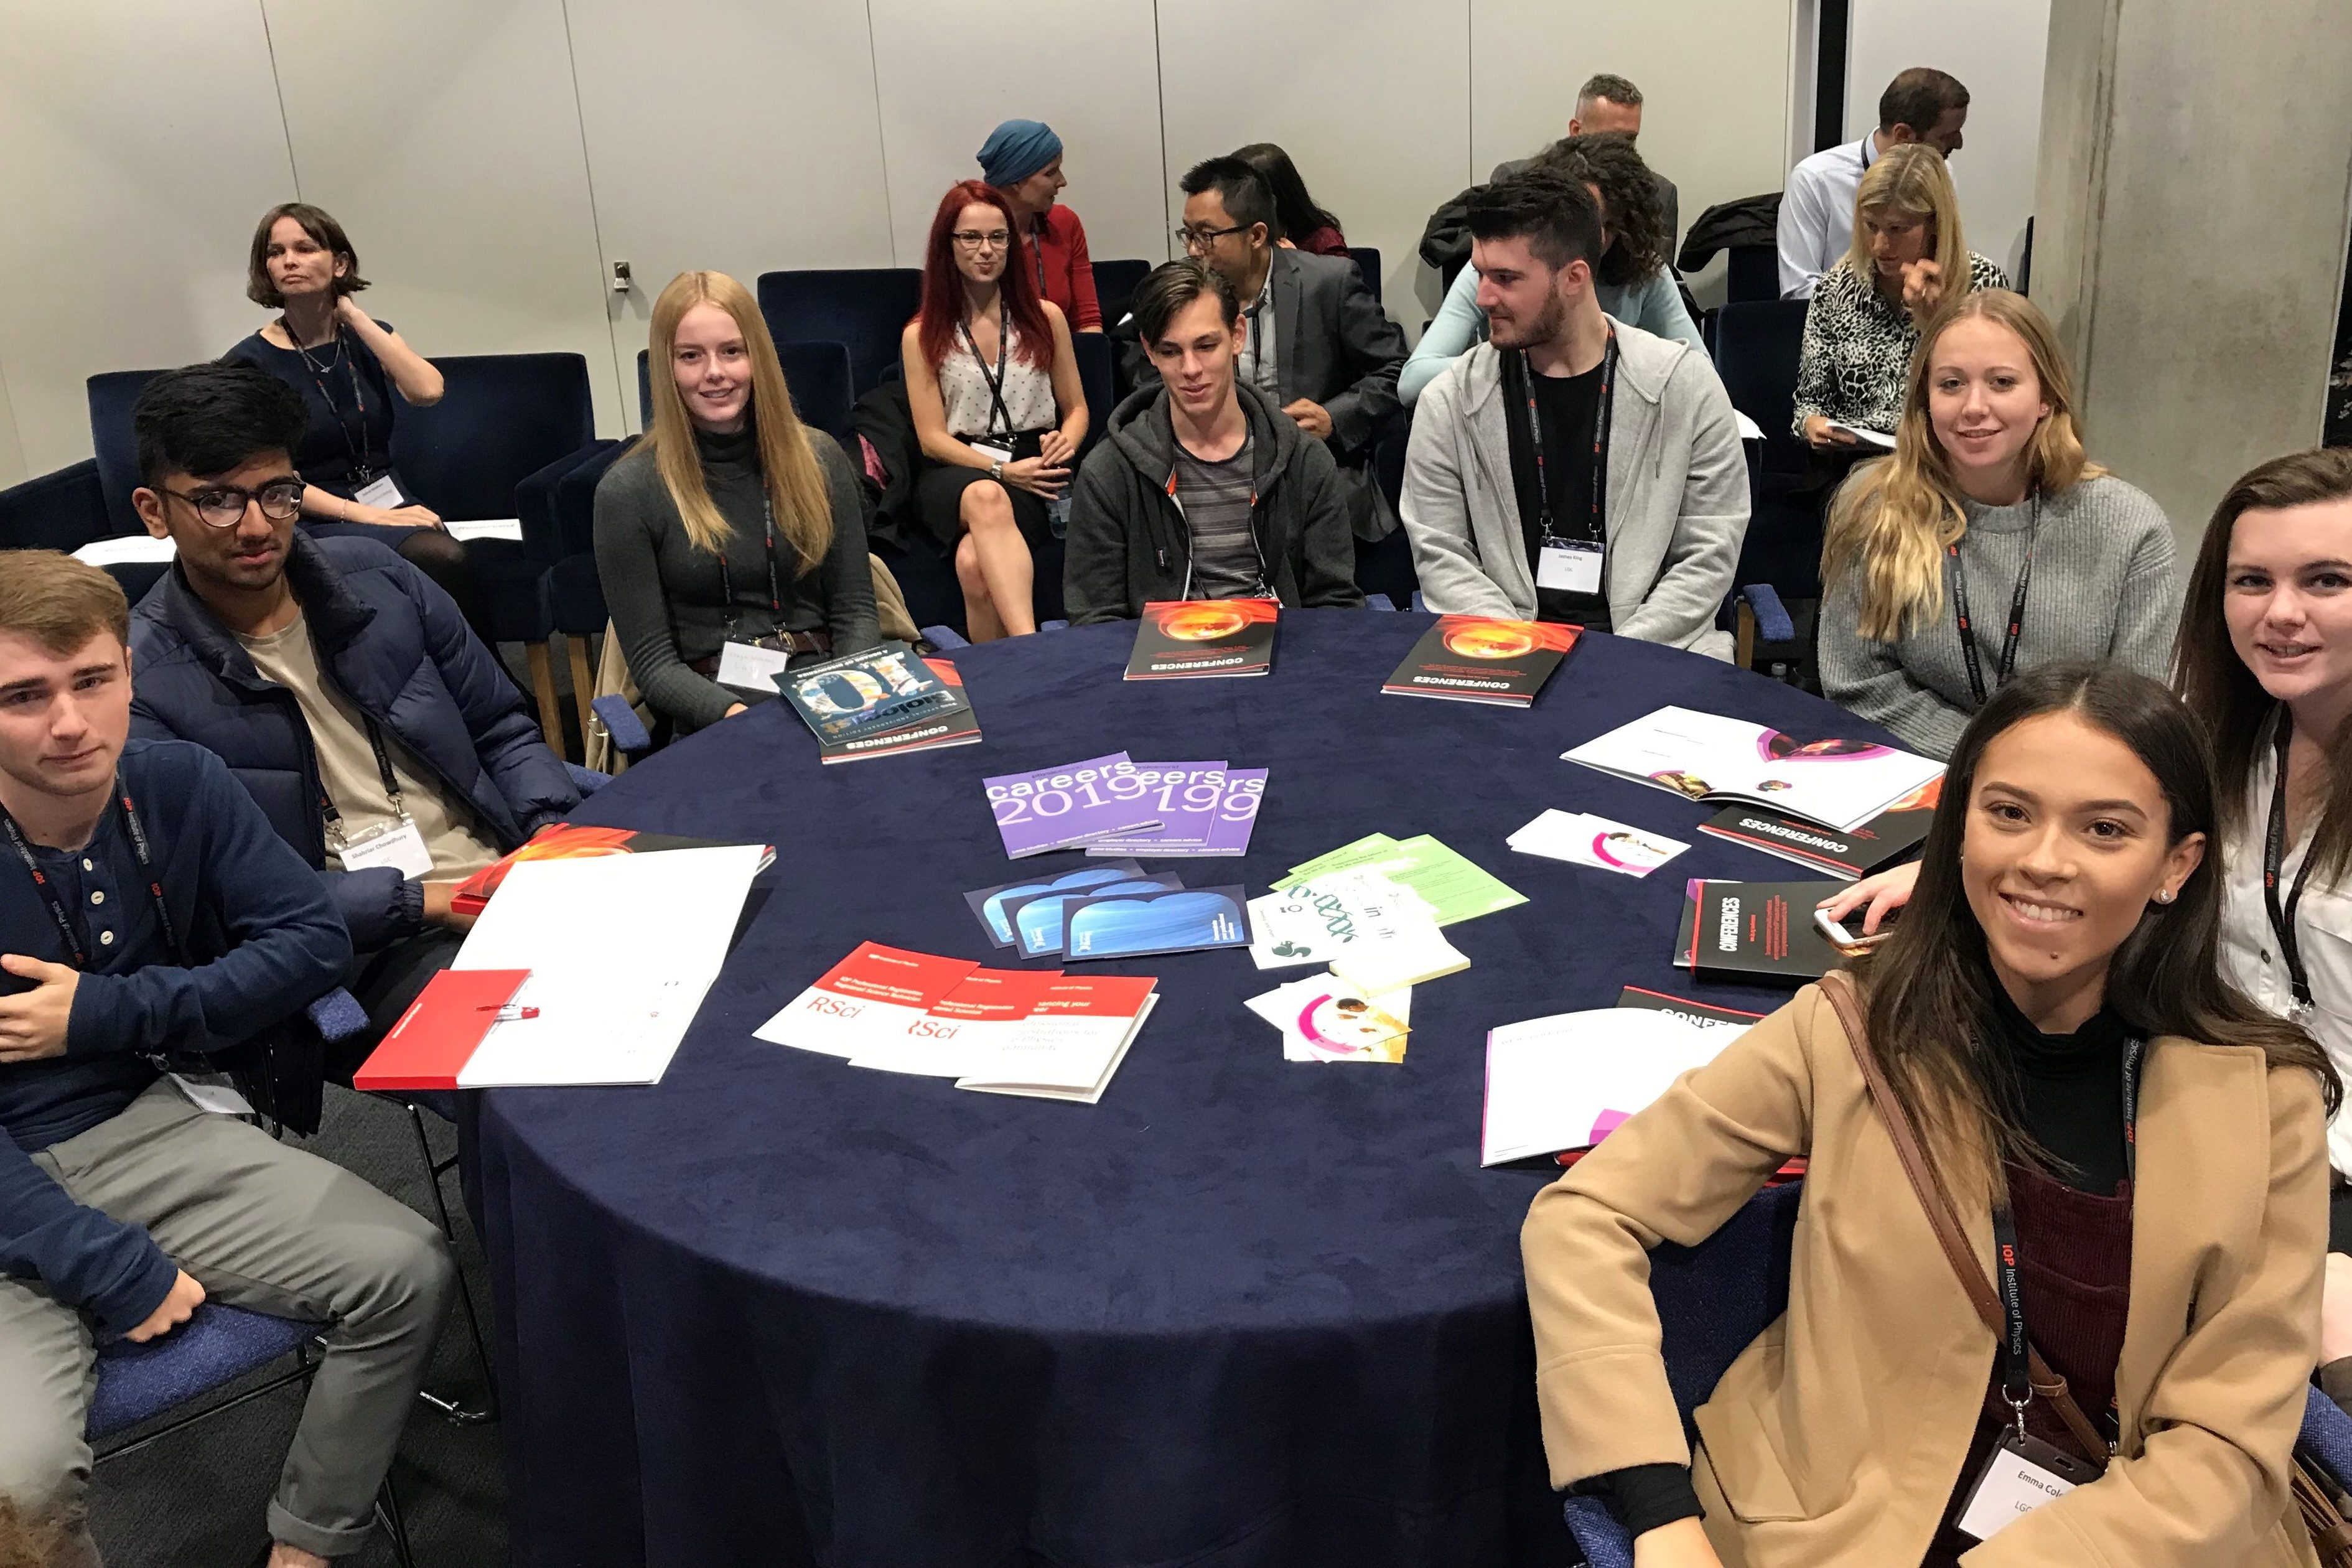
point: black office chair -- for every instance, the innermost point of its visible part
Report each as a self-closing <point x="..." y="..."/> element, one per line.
<point x="1368" y="266"/>
<point x="1751" y="273"/>
<point x="862" y="308"/>
<point x="1115" y="286"/>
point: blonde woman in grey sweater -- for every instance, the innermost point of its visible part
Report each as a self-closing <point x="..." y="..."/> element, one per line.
<point x="1988" y="543"/>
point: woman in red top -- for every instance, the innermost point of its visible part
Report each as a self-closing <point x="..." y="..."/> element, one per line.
<point x="1022" y="158"/>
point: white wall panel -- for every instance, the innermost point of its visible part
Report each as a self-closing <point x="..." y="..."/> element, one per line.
<point x="950" y="70"/>
<point x="787" y="173"/>
<point x="1370" y="98"/>
<point x="1999" y="57"/>
<point x="444" y="135"/>
<point x="1713" y="76"/>
<point x="138" y="144"/>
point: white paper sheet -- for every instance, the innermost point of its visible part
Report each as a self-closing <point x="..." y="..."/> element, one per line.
<point x="1549" y="1080"/>
<point x="621" y="950"/>
<point x="128" y="551"/>
<point x="486" y="527"/>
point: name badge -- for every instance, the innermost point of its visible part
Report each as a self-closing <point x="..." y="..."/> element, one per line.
<point x="400" y="844"/>
<point x="212" y="1093"/>
<point x="994" y="454"/>
<point x="382" y="492"/>
<point x="747" y="667"/>
<point x="2022" y="1474"/>
<point x="1571" y="567"/>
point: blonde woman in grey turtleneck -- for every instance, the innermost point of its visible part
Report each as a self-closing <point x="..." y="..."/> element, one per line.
<point x="1990" y="515"/>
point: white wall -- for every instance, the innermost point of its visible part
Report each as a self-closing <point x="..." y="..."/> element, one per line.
<point x="1999" y="56"/>
<point x="492" y="158"/>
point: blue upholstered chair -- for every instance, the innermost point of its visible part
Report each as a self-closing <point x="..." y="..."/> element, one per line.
<point x="111" y="396"/>
<point x="1094" y="357"/>
<point x="60" y="510"/>
<point x="1751" y="273"/>
<point x="863" y="308"/>
<point x="1115" y="286"/>
<point x="218" y="1345"/>
<point x="1715" y="1299"/>
<point x="1756" y="351"/>
<point x="1368" y="265"/>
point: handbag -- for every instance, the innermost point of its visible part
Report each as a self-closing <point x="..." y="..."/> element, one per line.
<point x="2330" y="1535"/>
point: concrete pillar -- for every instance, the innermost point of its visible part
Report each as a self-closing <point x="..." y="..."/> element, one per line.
<point x="2191" y="213"/>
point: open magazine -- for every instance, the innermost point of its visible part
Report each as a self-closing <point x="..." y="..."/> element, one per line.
<point x="1841" y="784"/>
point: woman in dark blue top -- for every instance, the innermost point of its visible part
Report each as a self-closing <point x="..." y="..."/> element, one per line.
<point x="354" y="374"/>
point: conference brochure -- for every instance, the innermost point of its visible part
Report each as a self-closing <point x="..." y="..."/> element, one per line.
<point x="1323" y="1018"/>
<point x="887" y="686"/>
<point x="1063" y="807"/>
<point x="1872" y="847"/>
<point x="1756" y="930"/>
<point x="935" y="732"/>
<point x="1189" y="638"/>
<point x="1707" y="757"/>
<point x="1206" y="810"/>
<point x="1582" y="839"/>
<point x="574" y="841"/>
<point x="1568" y="1080"/>
<point x="1480" y="658"/>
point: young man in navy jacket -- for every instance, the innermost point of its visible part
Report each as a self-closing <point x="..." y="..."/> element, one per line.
<point x="149" y="918"/>
<point x="341" y="687"/>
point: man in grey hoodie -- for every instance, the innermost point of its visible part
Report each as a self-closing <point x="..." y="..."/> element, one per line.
<point x="1204" y="489"/>
<point x="1572" y="467"/>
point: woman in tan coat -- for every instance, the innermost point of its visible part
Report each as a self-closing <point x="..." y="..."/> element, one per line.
<point x="2060" y="948"/>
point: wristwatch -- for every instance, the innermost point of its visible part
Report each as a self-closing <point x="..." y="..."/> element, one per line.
<point x="996" y="470"/>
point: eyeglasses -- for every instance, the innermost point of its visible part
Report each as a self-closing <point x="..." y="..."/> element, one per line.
<point x="223" y="506"/>
<point x="1201" y="239"/>
<point x="972" y="239"/>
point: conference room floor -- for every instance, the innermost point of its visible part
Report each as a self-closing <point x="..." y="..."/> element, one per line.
<point x="197" y="1495"/>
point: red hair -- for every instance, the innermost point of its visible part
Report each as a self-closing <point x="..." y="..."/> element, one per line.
<point x="943" y="285"/>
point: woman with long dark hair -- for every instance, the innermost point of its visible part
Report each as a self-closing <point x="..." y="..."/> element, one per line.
<point x="1632" y="282"/>
<point x="2148" y="1146"/>
<point x="992" y="383"/>
<point x="1306" y="224"/>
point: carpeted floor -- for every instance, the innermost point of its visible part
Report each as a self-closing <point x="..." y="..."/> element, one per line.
<point x="194" y="1500"/>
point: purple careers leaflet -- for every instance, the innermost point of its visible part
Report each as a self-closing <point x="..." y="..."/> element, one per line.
<point x="1202" y="818"/>
<point x="1060" y="808"/>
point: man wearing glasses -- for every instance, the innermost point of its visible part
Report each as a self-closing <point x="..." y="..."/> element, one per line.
<point x="1316" y="342"/>
<point x="343" y="687"/>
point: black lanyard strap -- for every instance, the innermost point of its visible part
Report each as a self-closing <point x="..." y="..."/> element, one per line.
<point x="355" y="447"/>
<point x="334" y="818"/>
<point x="775" y="586"/>
<point x="997" y="411"/>
<point x="2274" y="863"/>
<point x="1599" y="523"/>
<point x="2016" y="1350"/>
<point x="78" y="953"/>
<point x="2016" y="611"/>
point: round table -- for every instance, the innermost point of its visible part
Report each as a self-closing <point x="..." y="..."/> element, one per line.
<point x="1244" y="1312"/>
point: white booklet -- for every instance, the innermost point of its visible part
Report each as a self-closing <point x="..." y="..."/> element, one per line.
<point x="1564" y="1081"/>
<point x="621" y="950"/>
<point x="1704" y="757"/>
<point x="1071" y="1056"/>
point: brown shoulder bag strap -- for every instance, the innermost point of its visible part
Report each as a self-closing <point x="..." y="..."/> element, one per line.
<point x="1941" y="1218"/>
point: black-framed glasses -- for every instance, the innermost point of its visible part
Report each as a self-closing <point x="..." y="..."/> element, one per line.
<point x="1201" y="239"/>
<point x="974" y="239"/>
<point x="223" y="506"/>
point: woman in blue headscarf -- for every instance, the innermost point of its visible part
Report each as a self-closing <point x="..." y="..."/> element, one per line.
<point x="1022" y="158"/>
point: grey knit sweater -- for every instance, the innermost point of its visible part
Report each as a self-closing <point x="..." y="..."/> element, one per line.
<point x="666" y="597"/>
<point x="2103" y="588"/>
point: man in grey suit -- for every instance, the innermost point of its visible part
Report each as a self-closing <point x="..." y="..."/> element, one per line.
<point x="1317" y="344"/>
<point x="1608" y="103"/>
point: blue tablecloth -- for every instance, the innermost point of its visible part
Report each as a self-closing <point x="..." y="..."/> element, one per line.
<point x="1243" y="1313"/>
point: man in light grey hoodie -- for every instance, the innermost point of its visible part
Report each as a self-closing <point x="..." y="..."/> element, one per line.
<point x="1572" y="467"/>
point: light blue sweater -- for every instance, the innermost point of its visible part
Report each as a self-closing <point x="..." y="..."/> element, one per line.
<point x="1654" y="306"/>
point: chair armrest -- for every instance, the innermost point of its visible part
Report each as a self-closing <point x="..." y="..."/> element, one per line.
<point x="1379" y="602"/>
<point x="337" y="1015"/>
<point x="1772" y="621"/>
<point x="1053" y="626"/>
<point x="1419" y="606"/>
<point x="588" y="780"/>
<point x="2327" y="1436"/>
<point x="1598" y="1534"/>
<point x="620" y="723"/>
<point x="945" y="638"/>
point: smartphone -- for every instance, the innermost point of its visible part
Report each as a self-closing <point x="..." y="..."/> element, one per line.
<point x="1852" y="942"/>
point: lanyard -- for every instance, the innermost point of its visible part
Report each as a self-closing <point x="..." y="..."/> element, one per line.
<point x="2016" y="610"/>
<point x="1599" y="534"/>
<point x="2273" y="863"/>
<point x="355" y="447"/>
<point x="997" y="410"/>
<point x="727" y="578"/>
<point x="334" y="818"/>
<point x="2016" y="1382"/>
<point x="58" y="911"/>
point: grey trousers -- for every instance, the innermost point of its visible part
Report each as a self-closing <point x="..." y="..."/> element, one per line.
<point x="261" y="1225"/>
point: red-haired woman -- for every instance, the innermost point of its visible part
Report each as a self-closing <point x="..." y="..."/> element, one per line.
<point x="994" y="386"/>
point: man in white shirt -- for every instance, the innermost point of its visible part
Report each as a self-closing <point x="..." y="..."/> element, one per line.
<point x="1922" y="104"/>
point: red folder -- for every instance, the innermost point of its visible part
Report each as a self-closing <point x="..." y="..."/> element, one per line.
<point x="441" y="1030"/>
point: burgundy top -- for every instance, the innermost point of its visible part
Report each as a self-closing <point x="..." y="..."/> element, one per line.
<point x="1324" y="241"/>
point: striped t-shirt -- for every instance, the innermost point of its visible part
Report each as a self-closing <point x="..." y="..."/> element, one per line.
<point x="1215" y="499"/>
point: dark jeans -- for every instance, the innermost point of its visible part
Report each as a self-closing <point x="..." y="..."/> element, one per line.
<point x="386" y="982"/>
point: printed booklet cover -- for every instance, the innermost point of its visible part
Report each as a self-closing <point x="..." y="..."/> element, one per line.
<point x="860" y="693"/>
<point x="1760" y="930"/>
<point x="1870" y="847"/>
<point x="567" y="841"/>
<point x="931" y="733"/>
<point x="1179" y="637"/>
<point x="1174" y="920"/>
<point x="1062" y="808"/>
<point x="1477" y="658"/>
<point x="1203" y="813"/>
<point x="1704" y="756"/>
